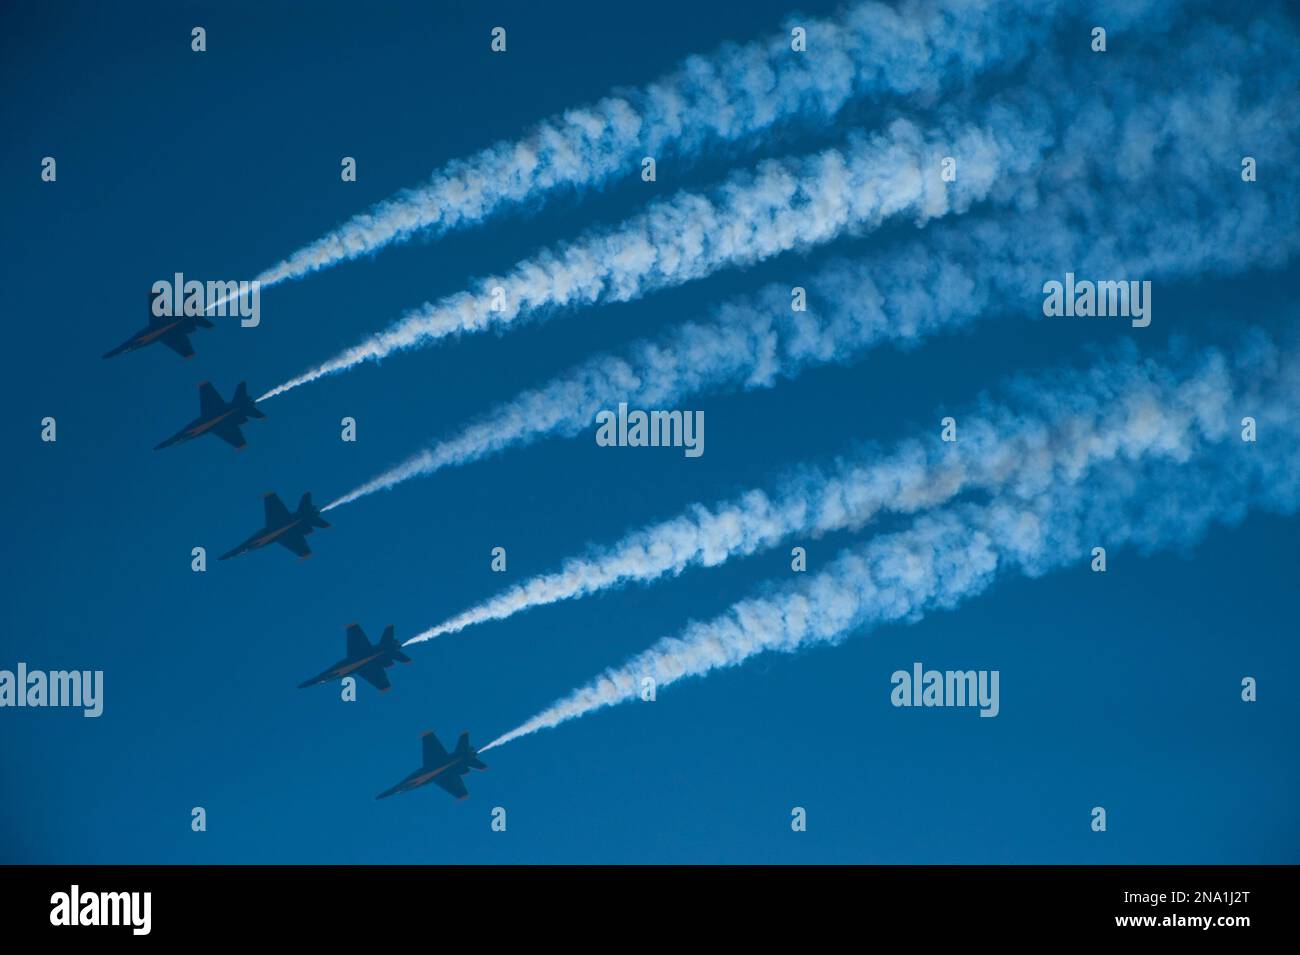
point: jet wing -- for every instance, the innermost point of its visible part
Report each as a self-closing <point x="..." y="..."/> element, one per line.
<point x="296" y="541"/>
<point x="229" y="432"/>
<point x="358" y="645"/>
<point x="373" y="673"/>
<point x="277" y="515"/>
<point x="179" y="342"/>
<point x="453" y="784"/>
<point x="434" y="754"/>
<point x="210" y="403"/>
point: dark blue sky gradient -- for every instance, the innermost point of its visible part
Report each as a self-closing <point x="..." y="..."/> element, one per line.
<point x="1120" y="690"/>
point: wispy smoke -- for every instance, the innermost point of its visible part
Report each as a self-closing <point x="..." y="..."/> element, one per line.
<point x="735" y="94"/>
<point x="1107" y="218"/>
<point x="950" y="555"/>
<point x="1060" y="427"/>
<point x="800" y="203"/>
<point x="781" y="206"/>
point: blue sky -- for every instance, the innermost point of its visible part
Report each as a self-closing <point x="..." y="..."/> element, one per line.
<point x="1119" y="690"/>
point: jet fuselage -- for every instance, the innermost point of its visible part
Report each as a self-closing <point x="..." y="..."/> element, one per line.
<point x="422" y="776"/>
<point x="270" y="536"/>
<point x="201" y="427"/>
<point x="155" y="331"/>
<point x="346" y="666"/>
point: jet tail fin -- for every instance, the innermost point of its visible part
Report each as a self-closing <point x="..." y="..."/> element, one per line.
<point x="389" y="642"/>
<point x="463" y="751"/>
<point x="242" y="399"/>
<point x="306" y="507"/>
<point x="462" y="745"/>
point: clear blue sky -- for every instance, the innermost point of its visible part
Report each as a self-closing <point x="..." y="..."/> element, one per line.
<point x="1120" y="690"/>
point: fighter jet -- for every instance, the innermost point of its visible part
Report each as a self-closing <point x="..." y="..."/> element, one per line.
<point x="441" y="768"/>
<point x="366" y="661"/>
<point x="172" y="331"/>
<point x="219" y="418"/>
<point x="291" y="530"/>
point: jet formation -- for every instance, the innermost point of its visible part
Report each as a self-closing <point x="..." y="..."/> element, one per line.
<point x="225" y="419"/>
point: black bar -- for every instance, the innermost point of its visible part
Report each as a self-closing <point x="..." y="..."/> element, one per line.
<point x="334" y="903"/>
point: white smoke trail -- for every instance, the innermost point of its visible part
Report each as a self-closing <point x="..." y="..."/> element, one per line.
<point x="781" y="206"/>
<point x="1062" y="426"/>
<point x="949" y="556"/>
<point x="805" y="202"/>
<point x="734" y="94"/>
<point x="1174" y="154"/>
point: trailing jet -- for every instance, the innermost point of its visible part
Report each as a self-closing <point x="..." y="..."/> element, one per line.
<point x="441" y="768"/>
<point x="291" y="530"/>
<point x="172" y="331"/>
<point x="219" y="418"/>
<point x="366" y="661"/>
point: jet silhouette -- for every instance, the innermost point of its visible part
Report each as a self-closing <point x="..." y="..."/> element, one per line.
<point x="219" y="418"/>
<point x="366" y="661"/>
<point x="291" y="530"/>
<point x="173" y="331"/>
<point x="441" y="768"/>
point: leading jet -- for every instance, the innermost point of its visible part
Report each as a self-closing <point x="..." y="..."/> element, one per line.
<point x="441" y="768"/>
<point x="172" y="331"/>
<point x="219" y="418"/>
<point x="285" y="528"/>
<point x="368" y="662"/>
